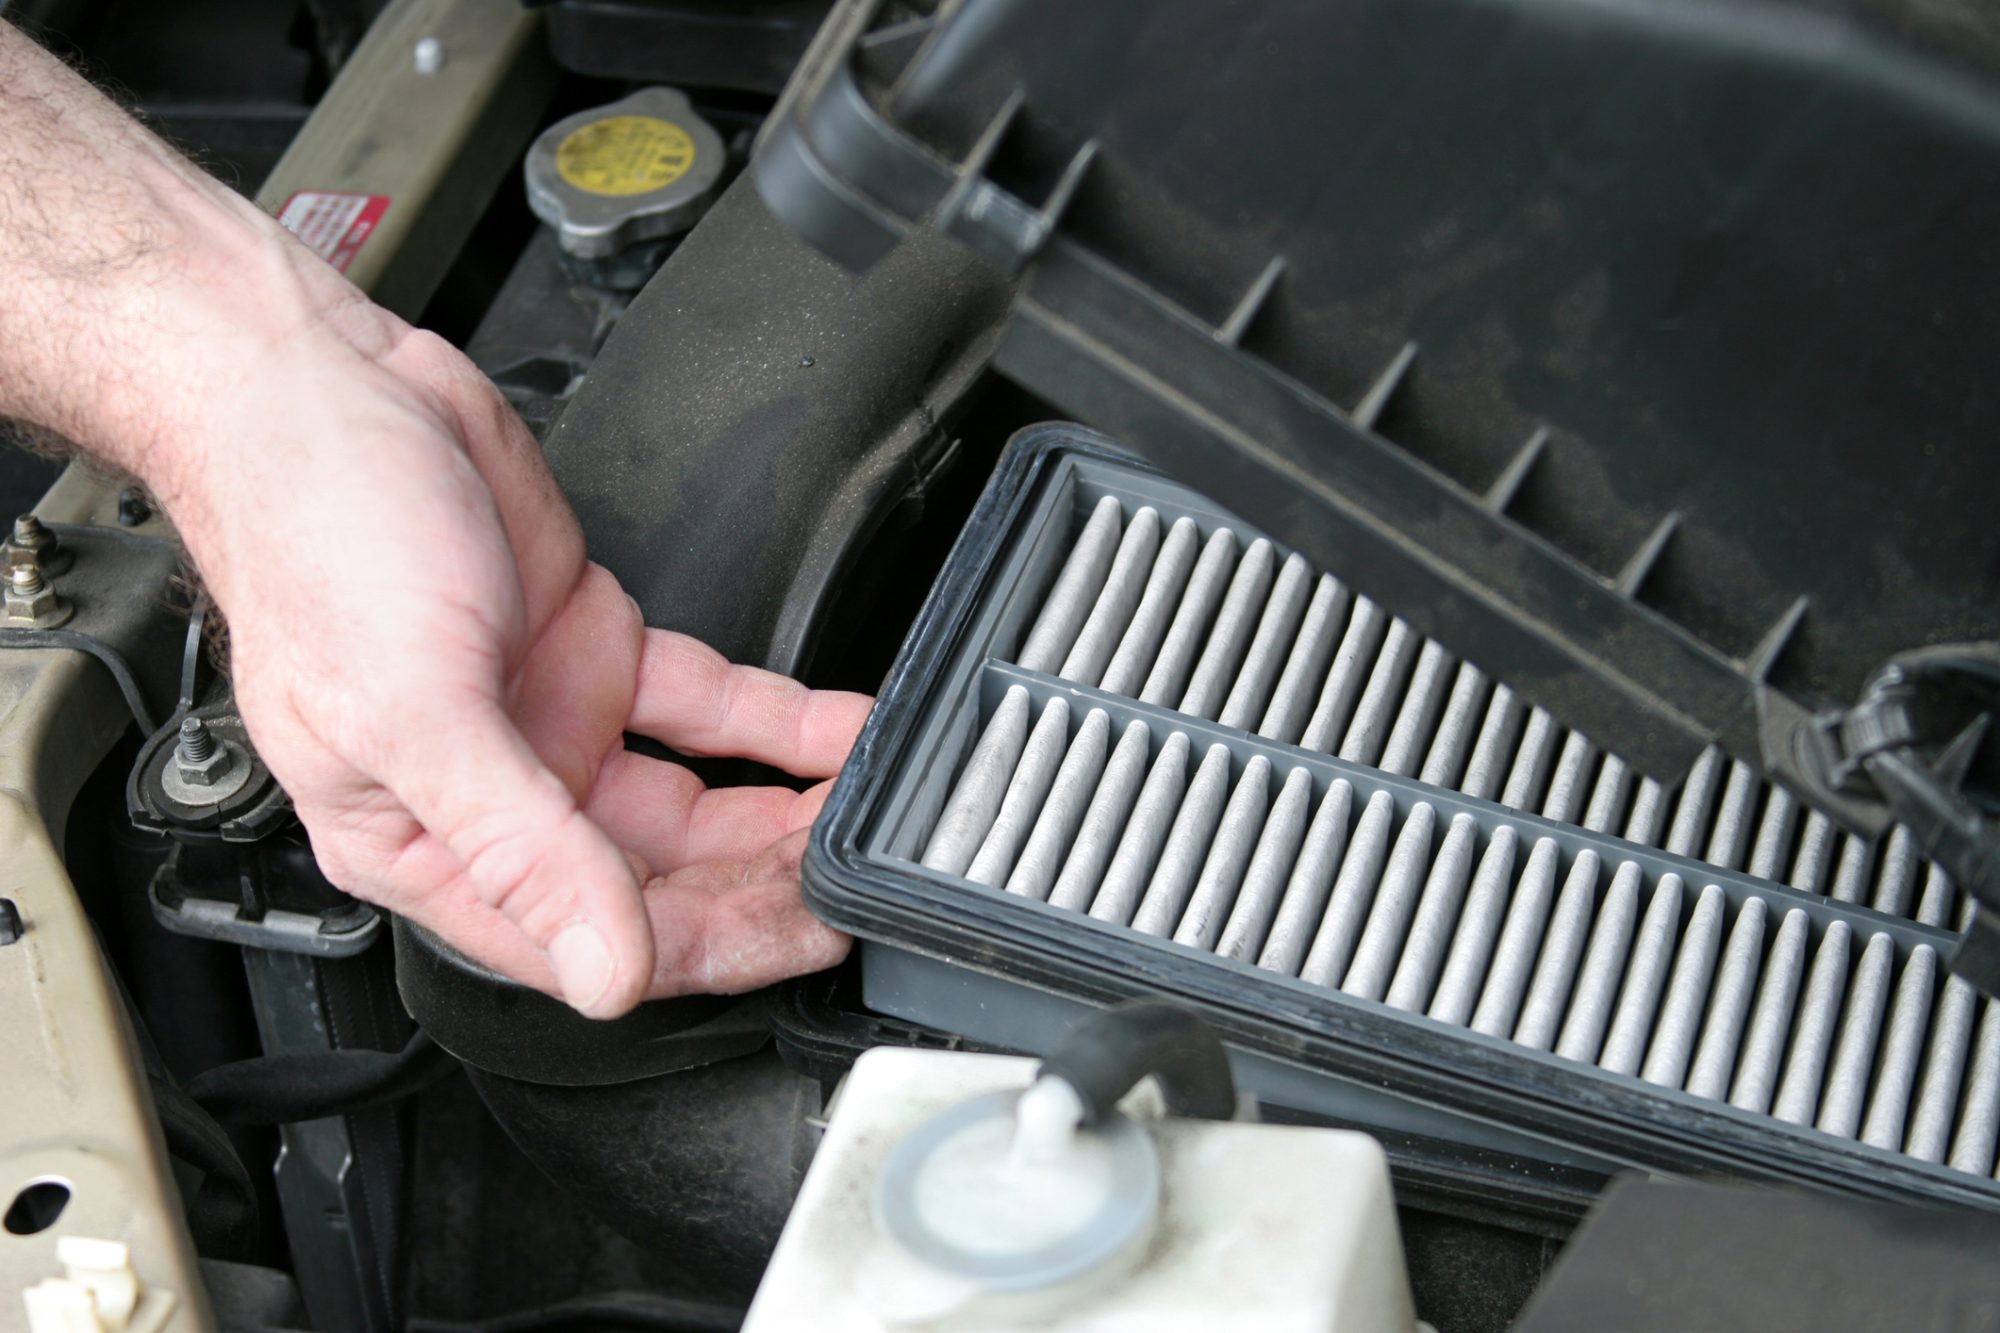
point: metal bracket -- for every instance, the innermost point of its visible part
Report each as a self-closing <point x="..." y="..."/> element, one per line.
<point x="118" y="583"/>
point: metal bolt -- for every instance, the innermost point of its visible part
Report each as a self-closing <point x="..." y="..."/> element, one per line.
<point x="202" y="759"/>
<point x="31" y="540"/>
<point x="30" y="601"/>
<point x="197" y="745"/>
<point x="428" y="57"/>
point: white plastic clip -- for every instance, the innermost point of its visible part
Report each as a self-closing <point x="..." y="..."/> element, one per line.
<point x="96" y="1294"/>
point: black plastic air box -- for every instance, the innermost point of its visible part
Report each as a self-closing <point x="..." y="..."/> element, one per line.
<point x="1639" y="350"/>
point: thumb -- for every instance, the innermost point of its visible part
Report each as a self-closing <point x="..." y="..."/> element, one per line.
<point x="476" y="785"/>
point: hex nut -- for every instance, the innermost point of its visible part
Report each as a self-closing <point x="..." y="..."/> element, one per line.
<point x="31" y="601"/>
<point x="211" y="781"/>
<point x="207" y="772"/>
<point x="32" y="542"/>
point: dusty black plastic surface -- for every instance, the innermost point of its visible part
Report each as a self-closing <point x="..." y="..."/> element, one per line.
<point x="1638" y="352"/>
<point x="750" y="45"/>
<point x="1663" y="1258"/>
<point x="1007" y="970"/>
<point x="1105" y="1056"/>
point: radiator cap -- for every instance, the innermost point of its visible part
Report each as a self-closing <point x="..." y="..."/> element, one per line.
<point x="636" y="170"/>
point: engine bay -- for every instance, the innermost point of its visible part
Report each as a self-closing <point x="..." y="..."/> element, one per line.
<point x="1426" y="576"/>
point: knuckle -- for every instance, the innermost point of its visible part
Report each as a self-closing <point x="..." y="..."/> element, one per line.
<point x="515" y="869"/>
<point x="427" y="347"/>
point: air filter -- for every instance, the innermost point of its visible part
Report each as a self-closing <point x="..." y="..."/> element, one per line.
<point x="1134" y="748"/>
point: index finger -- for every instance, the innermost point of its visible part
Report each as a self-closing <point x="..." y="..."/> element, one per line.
<point x="694" y="699"/>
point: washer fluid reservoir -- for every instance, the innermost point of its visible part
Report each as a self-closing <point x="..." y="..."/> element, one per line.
<point x="956" y="1192"/>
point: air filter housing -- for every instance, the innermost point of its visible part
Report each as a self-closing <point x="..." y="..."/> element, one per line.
<point x="1132" y="748"/>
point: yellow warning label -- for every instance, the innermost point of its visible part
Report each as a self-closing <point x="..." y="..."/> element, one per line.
<point x="624" y="155"/>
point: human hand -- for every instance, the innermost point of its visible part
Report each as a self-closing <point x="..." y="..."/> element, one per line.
<point x="441" y="682"/>
<point x="422" y="653"/>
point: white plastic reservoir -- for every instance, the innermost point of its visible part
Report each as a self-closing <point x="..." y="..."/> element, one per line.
<point x="1146" y="1226"/>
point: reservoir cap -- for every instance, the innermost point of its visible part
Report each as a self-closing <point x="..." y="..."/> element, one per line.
<point x="636" y="170"/>
<point x="959" y="1196"/>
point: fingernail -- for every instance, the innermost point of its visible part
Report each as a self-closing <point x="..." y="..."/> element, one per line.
<point x="583" y="965"/>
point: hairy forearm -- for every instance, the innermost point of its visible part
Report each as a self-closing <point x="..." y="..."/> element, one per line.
<point x="122" y="268"/>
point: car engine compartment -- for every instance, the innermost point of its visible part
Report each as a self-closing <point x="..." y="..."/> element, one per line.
<point x="1369" y="522"/>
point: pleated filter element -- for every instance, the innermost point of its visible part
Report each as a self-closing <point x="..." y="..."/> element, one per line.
<point x="1090" y="784"/>
<point x="1219" y="625"/>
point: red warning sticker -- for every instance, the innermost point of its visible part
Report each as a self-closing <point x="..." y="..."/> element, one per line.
<point x="333" y="226"/>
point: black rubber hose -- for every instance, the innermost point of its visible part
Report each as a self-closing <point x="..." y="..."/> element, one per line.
<point x="284" y="1089"/>
<point x="223" y="1214"/>
<point x="1108" y="1053"/>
